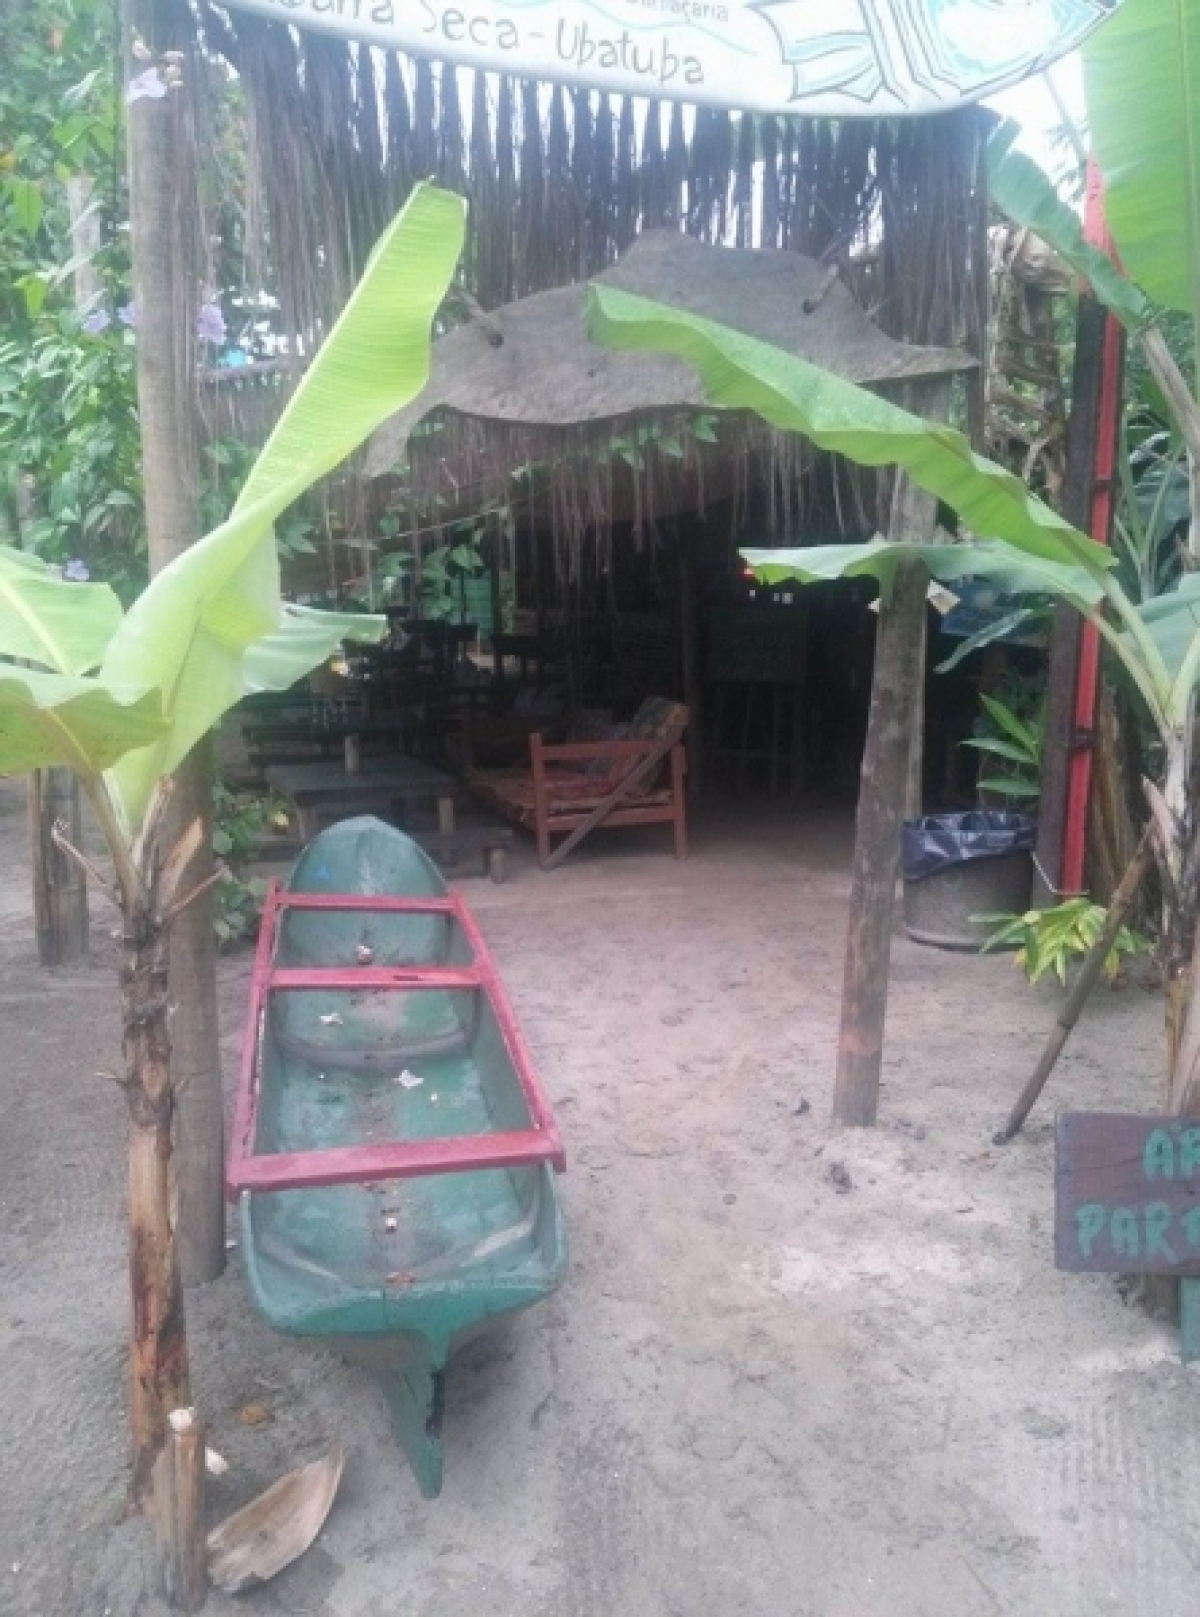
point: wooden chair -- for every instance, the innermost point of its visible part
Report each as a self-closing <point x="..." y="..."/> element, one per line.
<point x="635" y="777"/>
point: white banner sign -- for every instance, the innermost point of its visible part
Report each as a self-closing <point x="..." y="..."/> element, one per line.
<point x="834" y="58"/>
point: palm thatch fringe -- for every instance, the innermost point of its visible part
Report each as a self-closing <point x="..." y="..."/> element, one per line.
<point x="560" y="182"/>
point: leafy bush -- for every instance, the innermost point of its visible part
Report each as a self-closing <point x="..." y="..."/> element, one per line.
<point x="1017" y="745"/>
<point x="1054" y="939"/>
<point x="240" y="822"/>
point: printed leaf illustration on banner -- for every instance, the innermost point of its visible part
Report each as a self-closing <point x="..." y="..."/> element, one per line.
<point x="830" y="58"/>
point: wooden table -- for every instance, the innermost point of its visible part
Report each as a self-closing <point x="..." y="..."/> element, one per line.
<point x="324" y="791"/>
<point x="316" y="788"/>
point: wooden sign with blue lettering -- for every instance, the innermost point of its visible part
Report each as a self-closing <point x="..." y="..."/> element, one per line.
<point x="1127" y="1193"/>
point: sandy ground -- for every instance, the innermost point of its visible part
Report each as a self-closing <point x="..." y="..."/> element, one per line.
<point x="760" y="1393"/>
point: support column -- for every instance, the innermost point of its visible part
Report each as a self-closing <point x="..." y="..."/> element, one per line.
<point x="889" y="789"/>
<point x="166" y="296"/>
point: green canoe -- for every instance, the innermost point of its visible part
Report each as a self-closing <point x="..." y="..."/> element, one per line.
<point x="392" y="1151"/>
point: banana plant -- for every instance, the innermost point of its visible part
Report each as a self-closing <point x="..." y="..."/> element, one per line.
<point x="122" y="698"/>
<point x="1026" y="548"/>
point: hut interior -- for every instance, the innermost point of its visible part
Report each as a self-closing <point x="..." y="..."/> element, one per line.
<point x="609" y="544"/>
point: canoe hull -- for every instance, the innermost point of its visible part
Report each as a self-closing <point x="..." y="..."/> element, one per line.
<point x="395" y="1272"/>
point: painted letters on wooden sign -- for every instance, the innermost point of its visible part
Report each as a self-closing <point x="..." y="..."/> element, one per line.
<point x="830" y="58"/>
<point x="1127" y="1193"/>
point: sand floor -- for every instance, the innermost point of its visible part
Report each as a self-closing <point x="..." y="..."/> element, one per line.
<point x="760" y="1393"/>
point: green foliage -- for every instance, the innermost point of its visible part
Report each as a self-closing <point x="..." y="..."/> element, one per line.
<point x="1023" y="191"/>
<point x="178" y="659"/>
<point x="68" y="424"/>
<point x="444" y="572"/>
<point x="241" y="820"/>
<point x="1142" y="79"/>
<point x="1054" y="940"/>
<point x="1016" y="745"/>
<point x="189" y="632"/>
<point x="58" y="118"/>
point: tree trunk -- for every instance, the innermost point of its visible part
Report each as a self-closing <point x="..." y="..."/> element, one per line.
<point x="885" y="774"/>
<point x="889" y="788"/>
<point x="159" y="1358"/>
<point x="166" y="294"/>
<point x="60" y="907"/>
<point x="1112" y="837"/>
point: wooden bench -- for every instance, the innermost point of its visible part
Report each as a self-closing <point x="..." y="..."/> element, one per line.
<point x="636" y="777"/>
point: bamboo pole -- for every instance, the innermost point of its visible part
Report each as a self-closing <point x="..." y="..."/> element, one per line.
<point x="1089" y="973"/>
<point x="166" y="294"/>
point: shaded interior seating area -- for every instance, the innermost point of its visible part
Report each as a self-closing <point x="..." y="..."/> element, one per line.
<point x="633" y="774"/>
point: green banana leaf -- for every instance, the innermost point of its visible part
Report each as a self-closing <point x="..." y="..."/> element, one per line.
<point x="1142" y="84"/>
<point x="189" y="632"/>
<point x="1016" y="572"/>
<point x="304" y="639"/>
<point x="1024" y="192"/>
<point x="50" y="718"/>
<point x="741" y="373"/>
<point x="1000" y="629"/>
<point x="46" y="620"/>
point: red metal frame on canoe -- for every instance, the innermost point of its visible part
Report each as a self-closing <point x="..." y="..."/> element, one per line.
<point x="360" y="1164"/>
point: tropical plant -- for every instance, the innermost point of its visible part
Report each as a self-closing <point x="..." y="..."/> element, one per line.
<point x="122" y="697"/>
<point x="444" y="574"/>
<point x="1055" y="939"/>
<point x="241" y="820"/>
<point x="1016" y="744"/>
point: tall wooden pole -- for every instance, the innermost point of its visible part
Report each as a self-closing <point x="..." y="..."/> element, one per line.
<point x="60" y="902"/>
<point x="895" y="688"/>
<point x="166" y="297"/>
<point x="887" y="790"/>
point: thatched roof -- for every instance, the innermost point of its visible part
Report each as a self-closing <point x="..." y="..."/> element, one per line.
<point x="530" y="363"/>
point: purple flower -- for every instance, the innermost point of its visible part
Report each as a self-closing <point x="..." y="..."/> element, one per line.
<point x="148" y="86"/>
<point x="96" y="323"/>
<point x="127" y="314"/>
<point x="76" y="570"/>
<point x="210" y="323"/>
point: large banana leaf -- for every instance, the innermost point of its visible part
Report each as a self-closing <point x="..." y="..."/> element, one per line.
<point x="1013" y="571"/>
<point x="53" y="719"/>
<point x="1142" y="80"/>
<point x="189" y="632"/>
<point x="305" y="639"/>
<point x="44" y="619"/>
<point x="1173" y="623"/>
<point x="1158" y="644"/>
<point x="741" y="373"/>
<point x="1027" y="195"/>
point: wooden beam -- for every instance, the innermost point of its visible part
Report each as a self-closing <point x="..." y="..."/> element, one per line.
<point x="888" y="792"/>
<point x="162" y="158"/>
<point x="885" y="776"/>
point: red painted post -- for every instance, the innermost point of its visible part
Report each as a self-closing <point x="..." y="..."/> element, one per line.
<point x="1100" y="514"/>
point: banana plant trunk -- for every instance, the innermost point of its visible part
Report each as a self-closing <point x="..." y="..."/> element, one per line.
<point x="159" y="1355"/>
<point x="1180" y="867"/>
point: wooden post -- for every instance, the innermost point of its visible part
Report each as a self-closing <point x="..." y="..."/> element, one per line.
<point x="890" y="785"/>
<point x="885" y="774"/>
<point x="60" y="905"/>
<point x="180" y="1487"/>
<point x="1060" y="739"/>
<point x="689" y="650"/>
<point x="166" y="295"/>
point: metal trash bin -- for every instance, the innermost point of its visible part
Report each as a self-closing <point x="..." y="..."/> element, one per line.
<point x="959" y="865"/>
